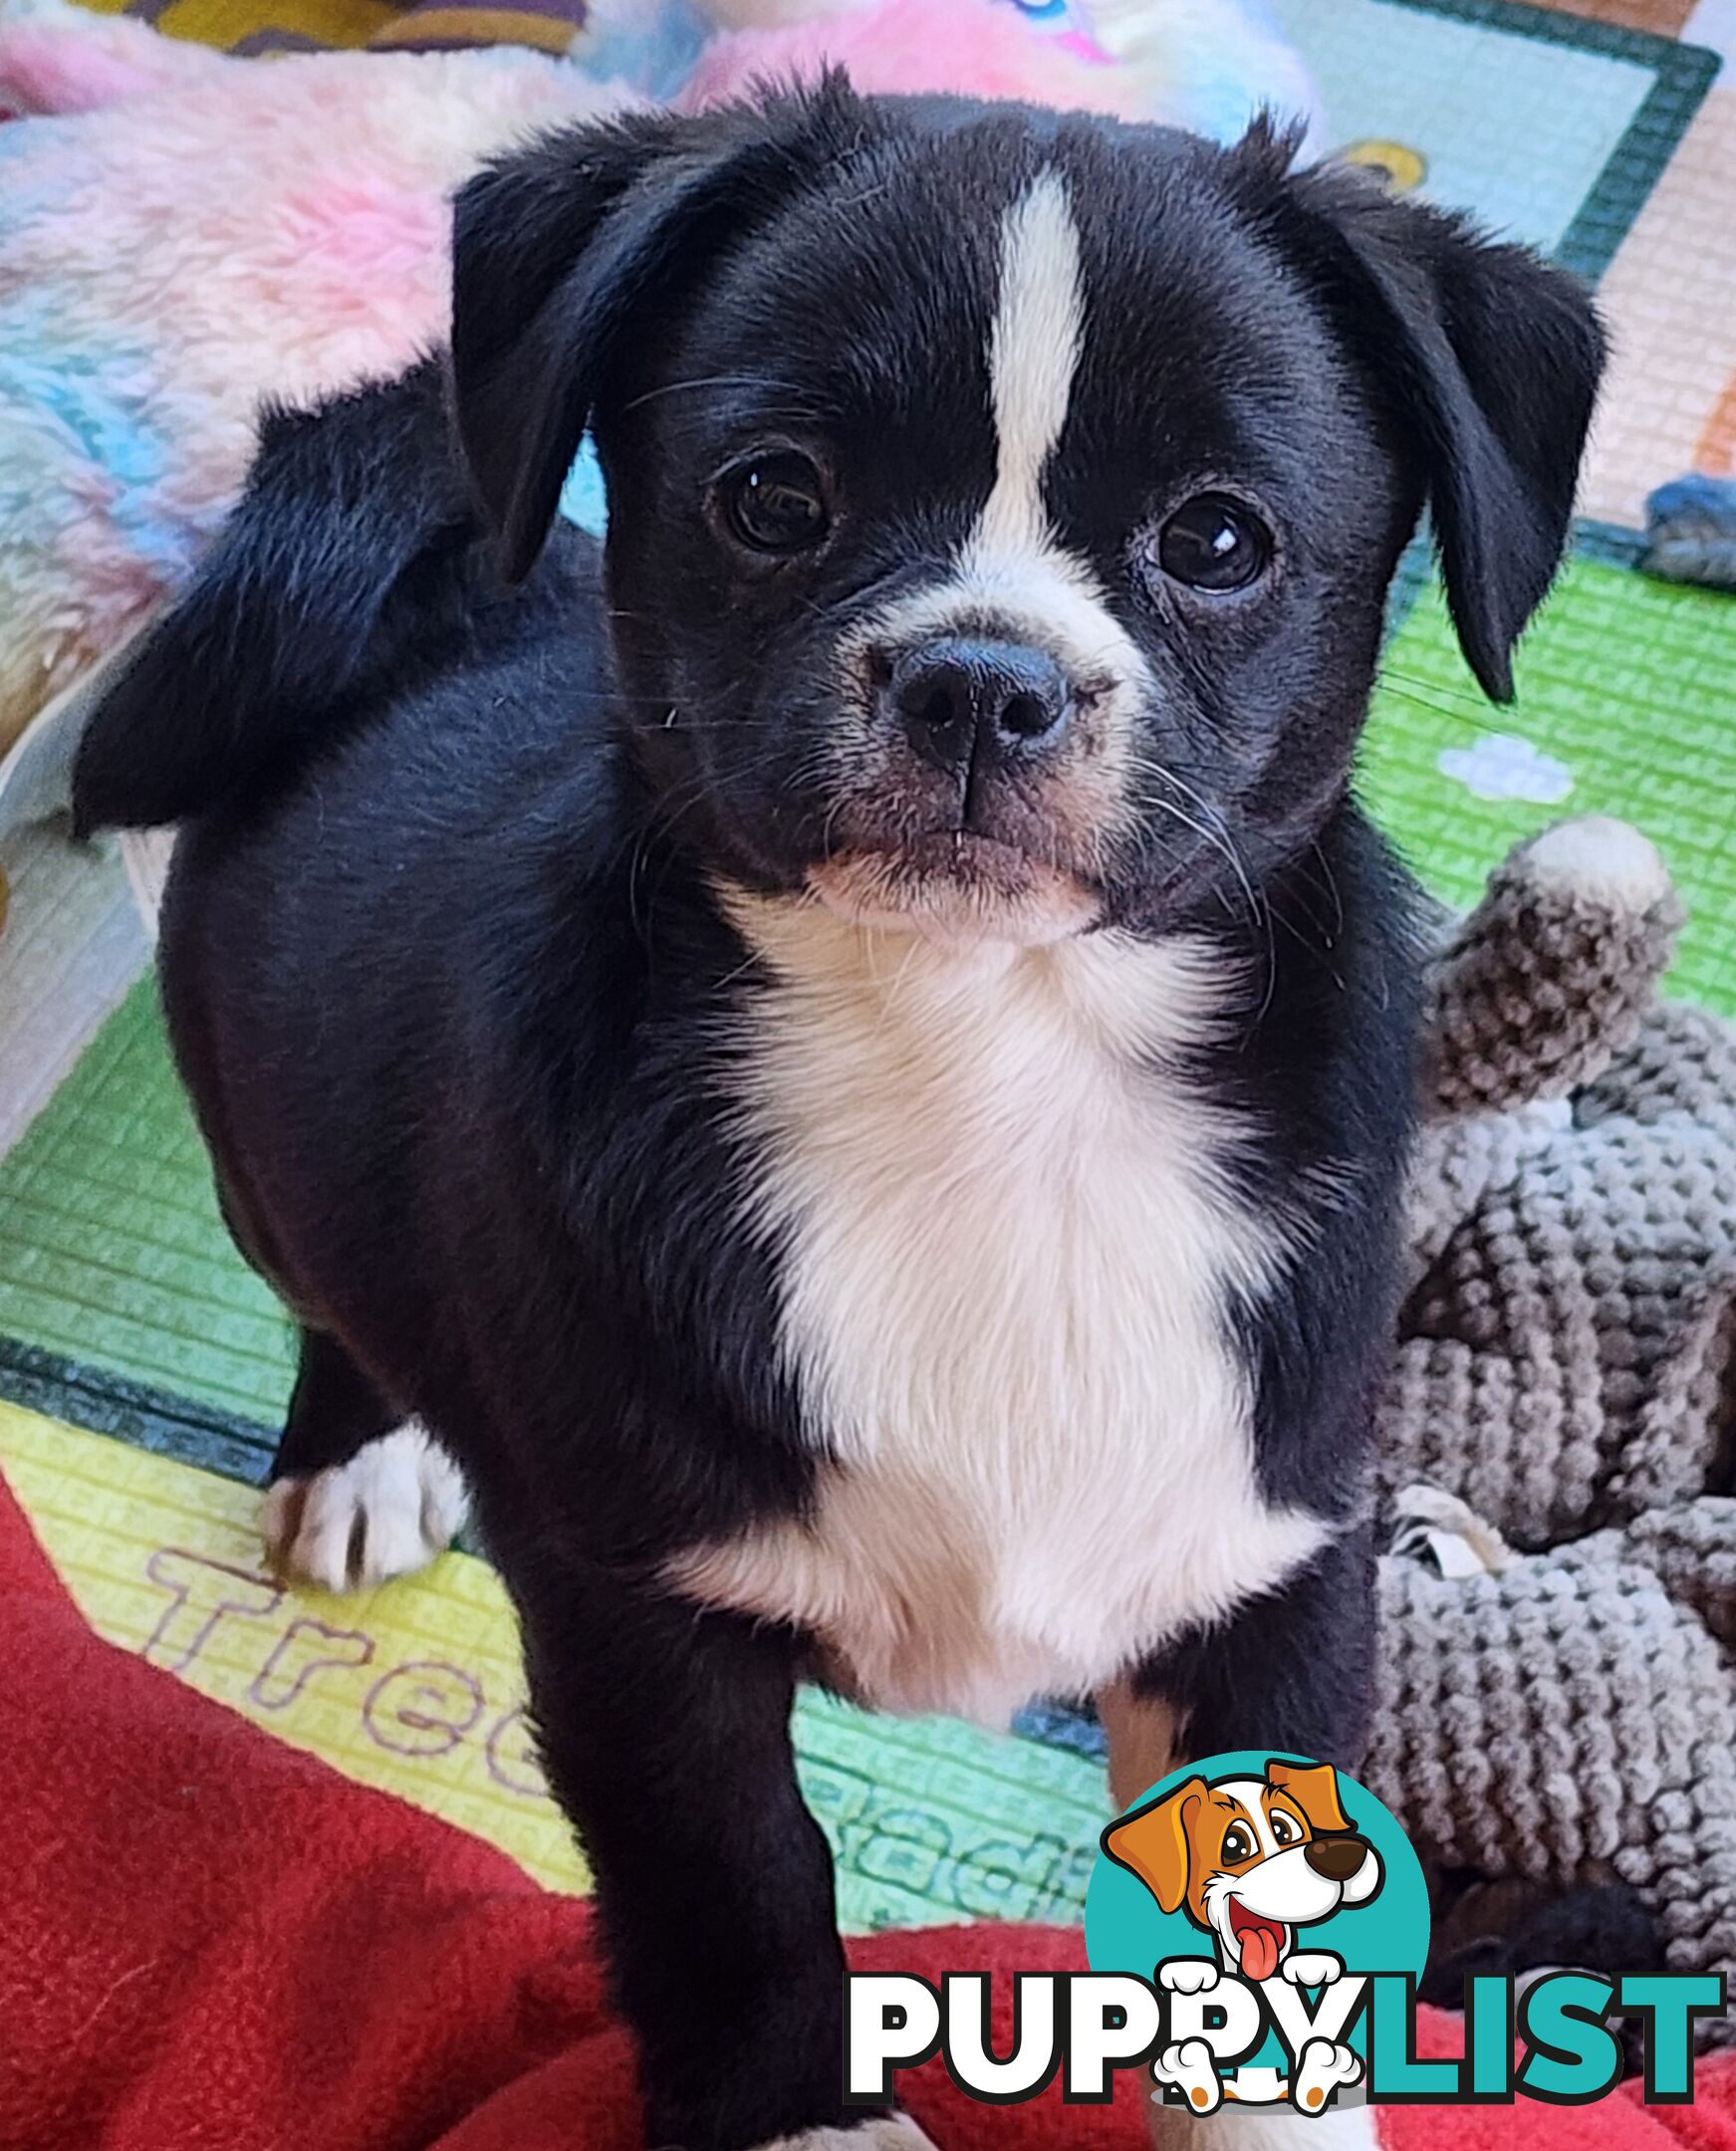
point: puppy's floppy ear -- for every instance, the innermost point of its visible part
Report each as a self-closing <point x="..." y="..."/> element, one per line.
<point x="1315" y="1789"/>
<point x="554" y="247"/>
<point x="1152" y="1842"/>
<point x="1489" y="359"/>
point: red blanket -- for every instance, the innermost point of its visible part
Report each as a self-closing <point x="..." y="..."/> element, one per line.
<point x="207" y="1939"/>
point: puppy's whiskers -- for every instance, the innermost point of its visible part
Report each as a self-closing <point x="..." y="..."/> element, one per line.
<point x="1216" y="832"/>
<point x="1426" y="696"/>
<point x="1212" y="830"/>
<point x="668" y="811"/>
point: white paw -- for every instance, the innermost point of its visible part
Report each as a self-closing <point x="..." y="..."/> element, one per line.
<point x="1187" y="1975"/>
<point x="1191" y="2069"/>
<point x="398" y="1502"/>
<point x="1264" y="2128"/>
<point x="1313" y="1968"/>
<point x="883" y="2132"/>
<point x="1323" y="2066"/>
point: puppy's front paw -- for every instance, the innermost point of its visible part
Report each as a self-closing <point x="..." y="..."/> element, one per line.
<point x="1192" y="2071"/>
<point x="390" y="1510"/>
<point x="1264" y="2128"/>
<point x="1323" y="2067"/>
<point x="880" y="2133"/>
<point x="1189" y="1975"/>
<point x="1313" y="1968"/>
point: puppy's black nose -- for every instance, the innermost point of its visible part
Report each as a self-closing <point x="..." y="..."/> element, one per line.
<point x="1337" y="1858"/>
<point x="956" y="694"/>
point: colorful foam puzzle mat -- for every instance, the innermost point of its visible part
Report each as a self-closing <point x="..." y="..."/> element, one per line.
<point x="1547" y="126"/>
<point x="142" y="1366"/>
<point x="1625" y="706"/>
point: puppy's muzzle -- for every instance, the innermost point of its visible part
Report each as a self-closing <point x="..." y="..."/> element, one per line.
<point x="961" y="700"/>
<point x="1335" y="1859"/>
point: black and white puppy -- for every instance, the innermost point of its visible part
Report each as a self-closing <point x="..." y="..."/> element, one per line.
<point x="849" y="1059"/>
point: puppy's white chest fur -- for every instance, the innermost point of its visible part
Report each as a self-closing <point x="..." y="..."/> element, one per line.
<point x="1005" y="1237"/>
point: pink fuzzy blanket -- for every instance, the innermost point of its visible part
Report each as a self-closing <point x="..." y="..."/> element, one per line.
<point x="192" y="234"/>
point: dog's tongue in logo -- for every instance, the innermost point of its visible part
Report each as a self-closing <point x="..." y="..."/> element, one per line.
<point x="1261" y="1940"/>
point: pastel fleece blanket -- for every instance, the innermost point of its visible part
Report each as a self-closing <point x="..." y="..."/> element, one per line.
<point x="185" y="234"/>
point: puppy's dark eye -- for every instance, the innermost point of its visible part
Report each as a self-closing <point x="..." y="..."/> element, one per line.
<point x="1284" y="1830"/>
<point x="1238" y="1844"/>
<point x="1213" y="543"/>
<point x="776" y="504"/>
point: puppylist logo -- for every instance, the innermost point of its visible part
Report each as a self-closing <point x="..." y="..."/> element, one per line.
<point x="1256" y="1929"/>
<point x="1262" y="1867"/>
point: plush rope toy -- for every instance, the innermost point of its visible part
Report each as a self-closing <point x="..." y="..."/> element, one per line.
<point x="1558" y="1699"/>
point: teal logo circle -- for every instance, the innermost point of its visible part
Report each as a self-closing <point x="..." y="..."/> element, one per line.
<point x="1259" y="1871"/>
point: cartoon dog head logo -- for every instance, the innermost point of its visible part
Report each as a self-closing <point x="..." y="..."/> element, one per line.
<point x="1251" y="1860"/>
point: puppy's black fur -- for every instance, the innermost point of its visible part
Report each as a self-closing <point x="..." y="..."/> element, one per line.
<point x="453" y="988"/>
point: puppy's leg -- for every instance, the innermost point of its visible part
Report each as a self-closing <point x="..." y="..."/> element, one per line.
<point x="1290" y="1673"/>
<point x="357" y="1492"/>
<point x="1146" y="1732"/>
<point x="1263" y="2128"/>
<point x="665" y="1733"/>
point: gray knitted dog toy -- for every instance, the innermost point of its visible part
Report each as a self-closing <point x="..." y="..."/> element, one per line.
<point x="1557" y="1698"/>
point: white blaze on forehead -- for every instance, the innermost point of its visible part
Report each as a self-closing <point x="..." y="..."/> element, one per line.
<point x="1033" y="355"/>
<point x="1012" y="577"/>
<point x="1012" y="566"/>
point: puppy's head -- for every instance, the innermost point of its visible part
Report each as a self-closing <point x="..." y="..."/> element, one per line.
<point x="1002" y="506"/>
<point x="1250" y="1859"/>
